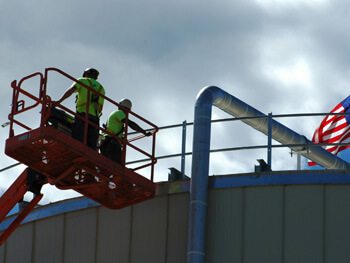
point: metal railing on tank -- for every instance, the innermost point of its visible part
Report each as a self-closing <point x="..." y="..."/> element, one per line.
<point x="269" y="146"/>
<point x="18" y="107"/>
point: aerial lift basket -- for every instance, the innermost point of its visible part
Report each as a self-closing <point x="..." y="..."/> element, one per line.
<point x="50" y="151"/>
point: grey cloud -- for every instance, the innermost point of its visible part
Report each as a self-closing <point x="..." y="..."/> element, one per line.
<point x="161" y="53"/>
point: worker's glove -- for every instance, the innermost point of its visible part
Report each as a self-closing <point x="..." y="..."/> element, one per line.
<point x="148" y="133"/>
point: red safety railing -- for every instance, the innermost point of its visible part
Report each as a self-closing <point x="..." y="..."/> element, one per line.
<point x="43" y="99"/>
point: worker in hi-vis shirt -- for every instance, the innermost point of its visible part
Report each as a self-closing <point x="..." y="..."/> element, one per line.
<point x="111" y="147"/>
<point x="95" y="104"/>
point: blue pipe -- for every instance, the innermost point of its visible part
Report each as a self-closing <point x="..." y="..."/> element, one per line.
<point x="199" y="180"/>
<point x="207" y="97"/>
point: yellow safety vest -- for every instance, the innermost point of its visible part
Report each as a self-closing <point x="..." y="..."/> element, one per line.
<point x="95" y="102"/>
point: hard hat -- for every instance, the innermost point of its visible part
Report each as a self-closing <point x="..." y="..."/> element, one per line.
<point x="126" y="103"/>
<point x="91" y="73"/>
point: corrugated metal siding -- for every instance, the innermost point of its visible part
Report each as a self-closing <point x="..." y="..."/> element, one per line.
<point x="225" y="222"/>
<point x="294" y="223"/>
<point x="80" y="236"/>
<point x="2" y="253"/>
<point x="284" y="224"/>
<point x="337" y="221"/>
<point x="304" y="223"/>
<point x="153" y="231"/>
<point x="177" y="228"/>
<point x="246" y="225"/>
<point x="113" y="235"/>
<point x="49" y="240"/>
<point x="148" y="232"/>
<point x="19" y="246"/>
<point x="262" y="224"/>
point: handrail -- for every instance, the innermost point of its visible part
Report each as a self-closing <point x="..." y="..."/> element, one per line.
<point x="16" y="91"/>
<point x="213" y="121"/>
<point x="174" y="155"/>
<point x="125" y="140"/>
<point x="180" y="125"/>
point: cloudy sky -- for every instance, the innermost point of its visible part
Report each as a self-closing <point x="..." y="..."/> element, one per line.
<point x="279" y="56"/>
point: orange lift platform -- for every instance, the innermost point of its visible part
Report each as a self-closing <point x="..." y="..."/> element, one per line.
<point x="54" y="157"/>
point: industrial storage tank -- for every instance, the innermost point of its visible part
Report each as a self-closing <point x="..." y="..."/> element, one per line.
<point x="300" y="220"/>
<point x="266" y="216"/>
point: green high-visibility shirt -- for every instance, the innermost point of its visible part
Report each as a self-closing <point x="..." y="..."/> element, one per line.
<point x="94" y="106"/>
<point x="115" y="124"/>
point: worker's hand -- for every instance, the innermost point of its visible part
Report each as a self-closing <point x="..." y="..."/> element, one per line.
<point x="147" y="133"/>
<point x="57" y="101"/>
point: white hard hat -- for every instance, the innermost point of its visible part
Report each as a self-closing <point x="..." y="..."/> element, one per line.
<point x="126" y="103"/>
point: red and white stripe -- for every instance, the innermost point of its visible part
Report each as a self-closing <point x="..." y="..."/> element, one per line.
<point x="333" y="129"/>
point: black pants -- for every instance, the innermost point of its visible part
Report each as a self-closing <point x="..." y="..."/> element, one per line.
<point x="35" y="181"/>
<point x="112" y="149"/>
<point x="92" y="133"/>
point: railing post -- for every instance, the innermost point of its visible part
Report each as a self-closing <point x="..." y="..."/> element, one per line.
<point x="269" y="140"/>
<point x="298" y="161"/>
<point x="13" y="105"/>
<point x="43" y="98"/>
<point x="183" y="152"/>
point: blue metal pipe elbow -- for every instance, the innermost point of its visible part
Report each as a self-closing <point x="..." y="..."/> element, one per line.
<point x="207" y="97"/>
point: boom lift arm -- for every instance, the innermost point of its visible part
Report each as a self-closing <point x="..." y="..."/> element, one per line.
<point x="15" y="194"/>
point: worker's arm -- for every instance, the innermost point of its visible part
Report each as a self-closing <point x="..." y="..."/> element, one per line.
<point x="136" y="127"/>
<point x="67" y="93"/>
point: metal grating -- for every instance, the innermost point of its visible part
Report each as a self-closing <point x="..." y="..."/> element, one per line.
<point x="69" y="164"/>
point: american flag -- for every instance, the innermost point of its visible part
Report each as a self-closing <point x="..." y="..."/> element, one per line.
<point x="334" y="129"/>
